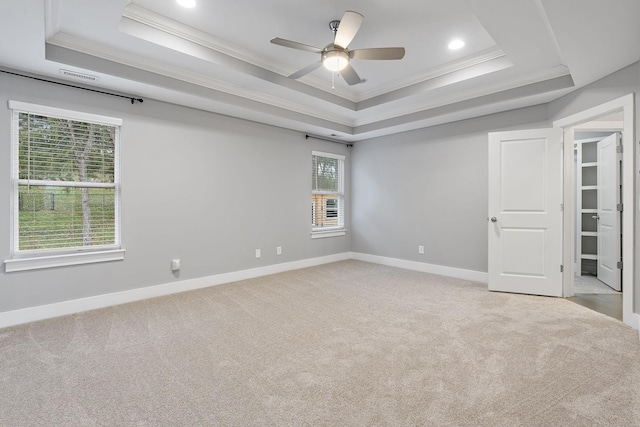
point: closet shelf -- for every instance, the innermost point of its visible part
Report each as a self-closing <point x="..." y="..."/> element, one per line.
<point x="589" y="256"/>
<point x="589" y="187"/>
<point x="589" y="234"/>
<point x="589" y="165"/>
<point x="589" y="211"/>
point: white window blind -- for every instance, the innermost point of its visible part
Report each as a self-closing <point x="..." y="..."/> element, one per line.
<point x="327" y="191"/>
<point x="65" y="180"/>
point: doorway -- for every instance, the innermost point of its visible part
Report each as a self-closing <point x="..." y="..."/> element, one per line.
<point x="597" y="281"/>
<point x="615" y="116"/>
<point x="525" y="170"/>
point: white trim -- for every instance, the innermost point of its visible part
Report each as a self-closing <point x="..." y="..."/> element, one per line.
<point x="323" y="234"/>
<point x="32" y="314"/>
<point x="600" y="110"/>
<point x="569" y="204"/>
<point x="50" y="261"/>
<point x="14" y="191"/>
<point x="459" y="273"/>
<point x="600" y="126"/>
<point x="629" y="170"/>
<point x="44" y="110"/>
<point x="98" y="253"/>
<point x="79" y="184"/>
<point x="329" y="155"/>
<point x="635" y="323"/>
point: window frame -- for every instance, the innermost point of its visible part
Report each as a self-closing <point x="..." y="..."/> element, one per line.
<point x="338" y="230"/>
<point x="55" y="257"/>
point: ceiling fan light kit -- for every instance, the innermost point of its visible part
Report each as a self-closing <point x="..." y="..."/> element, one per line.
<point x="335" y="60"/>
<point x="335" y="56"/>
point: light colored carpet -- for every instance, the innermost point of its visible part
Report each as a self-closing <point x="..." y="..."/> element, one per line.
<point x="343" y="344"/>
<point x="591" y="285"/>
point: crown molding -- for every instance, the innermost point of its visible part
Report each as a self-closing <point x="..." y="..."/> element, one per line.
<point x="471" y="61"/>
<point x="165" y="32"/>
<point x="485" y="102"/>
<point x="167" y="25"/>
<point x="393" y="90"/>
<point x="427" y="101"/>
<point x="91" y="48"/>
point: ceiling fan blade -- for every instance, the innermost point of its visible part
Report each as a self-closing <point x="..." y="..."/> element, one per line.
<point x="349" y="26"/>
<point x="295" y="45"/>
<point x="350" y="75"/>
<point x="306" y="70"/>
<point x="378" y="53"/>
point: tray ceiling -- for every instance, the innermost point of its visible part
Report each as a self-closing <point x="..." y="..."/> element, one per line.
<point x="217" y="56"/>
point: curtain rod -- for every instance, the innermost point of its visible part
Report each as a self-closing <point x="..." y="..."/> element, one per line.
<point x="348" y="144"/>
<point x="133" y="99"/>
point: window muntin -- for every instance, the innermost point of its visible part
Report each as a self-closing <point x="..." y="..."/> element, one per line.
<point x="327" y="192"/>
<point x="65" y="180"/>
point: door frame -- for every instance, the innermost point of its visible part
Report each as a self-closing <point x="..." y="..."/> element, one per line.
<point x="629" y="171"/>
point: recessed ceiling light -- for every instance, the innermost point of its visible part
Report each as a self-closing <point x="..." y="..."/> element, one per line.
<point x="456" y="44"/>
<point x="187" y="3"/>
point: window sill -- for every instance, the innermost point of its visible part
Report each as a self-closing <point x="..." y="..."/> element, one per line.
<point x="35" y="263"/>
<point x="328" y="233"/>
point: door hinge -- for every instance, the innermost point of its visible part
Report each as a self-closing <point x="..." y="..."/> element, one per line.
<point x="619" y="149"/>
<point x="561" y="268"/>
<point x="619" y="265"/>
<point x="619" y="207"/>
<point x="562" y="146"/>
<point x="561" y="207"/>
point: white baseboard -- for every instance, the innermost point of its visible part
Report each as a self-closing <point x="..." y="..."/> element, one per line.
<point x="460" y="273"/>
<point x="32" y="314"/>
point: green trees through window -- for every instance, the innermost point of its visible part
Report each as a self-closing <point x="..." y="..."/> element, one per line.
<point x="66" y="182"/>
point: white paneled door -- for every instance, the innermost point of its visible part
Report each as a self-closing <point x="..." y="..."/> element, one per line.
<point x="608" y="216"/>
<point x="525" y="212"/>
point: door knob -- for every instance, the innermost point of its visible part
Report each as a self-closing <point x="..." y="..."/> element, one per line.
<point x="494" y="219"/>
<point x="596" y="217"/>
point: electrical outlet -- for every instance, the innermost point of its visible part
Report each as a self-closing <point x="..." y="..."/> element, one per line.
<point x="175" y="264"/>
<point x="258" y="255"/>
<point x="279" y="250"/>
<point x="421" y="250"/>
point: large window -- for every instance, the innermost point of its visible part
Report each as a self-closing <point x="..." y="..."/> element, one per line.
<point x="327" y="193"/>
<point x="65" y="181"/>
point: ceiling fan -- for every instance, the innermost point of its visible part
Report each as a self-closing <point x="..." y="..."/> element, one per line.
<point x="335" y="56"/>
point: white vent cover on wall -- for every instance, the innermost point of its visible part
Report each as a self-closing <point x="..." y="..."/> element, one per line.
<point x="78" y="76"/>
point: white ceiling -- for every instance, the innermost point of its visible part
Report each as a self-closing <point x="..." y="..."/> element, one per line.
<point x="218" y="57"/>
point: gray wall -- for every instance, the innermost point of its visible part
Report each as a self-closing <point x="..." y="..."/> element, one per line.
<point x="210" y="189"/>
<point x="205" y="188"/>
<point x="429" y="187"/>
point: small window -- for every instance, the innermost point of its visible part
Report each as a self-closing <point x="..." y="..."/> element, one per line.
<point x="65" y="181"/>
<point x="327" y="192"/>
